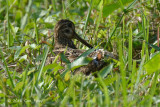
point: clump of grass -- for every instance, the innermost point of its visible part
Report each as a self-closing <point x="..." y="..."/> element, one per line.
<point x="130" y="81"/>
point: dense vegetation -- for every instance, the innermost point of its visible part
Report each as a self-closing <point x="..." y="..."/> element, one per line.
<point x="128" y="28"/>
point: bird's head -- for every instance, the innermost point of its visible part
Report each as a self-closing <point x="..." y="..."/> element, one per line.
<point x="65" y="30"/>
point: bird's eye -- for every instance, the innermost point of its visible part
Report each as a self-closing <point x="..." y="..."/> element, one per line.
<point x="67" y="31"/>
<point x="69" y="25"/>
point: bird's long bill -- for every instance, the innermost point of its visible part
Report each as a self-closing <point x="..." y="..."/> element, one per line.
<point x="82" y="41"/>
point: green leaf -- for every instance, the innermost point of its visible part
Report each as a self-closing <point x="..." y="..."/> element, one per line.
<point x="64" y="58"/>
<point x="109" y="8"/>
<point x="67" y="76"/>
<point x="104" y="72"/>
<point x="154" y="46"/>
<point x="18" y="86"/>
<point x="2" y="95"/>
<point x="22" y="58"/>
<point x="60" y="85"/>
<point x="80" y="62"/>
<point x="13" y="29"/>
<point x="57" y="68"/>
<point x="16" y="55"/>
<point x="153" y="64"/>
<point x="18" y="15"/>
<point x="20" y="51"/>
<point x="50" y="66"/>
<point x="43" y="62"/>
<point x="109" y="80"/>
<point x="25" y="17"/>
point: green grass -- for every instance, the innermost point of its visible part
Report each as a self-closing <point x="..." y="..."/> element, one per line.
<point x="127" y="28"/>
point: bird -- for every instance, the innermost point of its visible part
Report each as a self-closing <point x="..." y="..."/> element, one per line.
<point x="64" y="33"/>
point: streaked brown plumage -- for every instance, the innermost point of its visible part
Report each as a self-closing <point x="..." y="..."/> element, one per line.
<point x="64" y="32"/>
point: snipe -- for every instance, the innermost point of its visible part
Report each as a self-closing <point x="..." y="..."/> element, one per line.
<point x="64" y="32"/>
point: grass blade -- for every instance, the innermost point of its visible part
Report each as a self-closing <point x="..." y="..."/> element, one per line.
<point x="25" y="17"/>
<point x="105" y="91"/>
<point x="43" y="62"/>
<point x="9" y="39"/>
<point x="87" y="18"/>
<point x="5" y="63"/>
<point x="123" y="72"/>
<point x="130" y="50"/>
